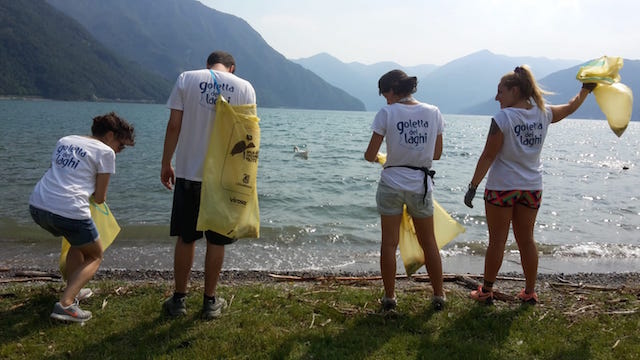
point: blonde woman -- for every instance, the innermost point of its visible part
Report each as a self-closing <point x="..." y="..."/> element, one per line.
<point x="513" y="190"/>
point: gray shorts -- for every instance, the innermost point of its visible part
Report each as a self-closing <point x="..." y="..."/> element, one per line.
<point x="77" y="232"/>
<point x="390" y="202"/>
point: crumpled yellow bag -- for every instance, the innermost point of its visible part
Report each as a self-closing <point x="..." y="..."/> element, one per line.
<point x="446" y="228"/>
<point x="613" y="97"/>
<point x="106" y="224"/>
<point x="229" y="196"/>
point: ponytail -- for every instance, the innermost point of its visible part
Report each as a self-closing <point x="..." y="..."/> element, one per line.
<point x="523" y="78"/>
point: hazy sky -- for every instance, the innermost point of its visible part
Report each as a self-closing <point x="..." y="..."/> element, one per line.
<point x="412" y="32"/>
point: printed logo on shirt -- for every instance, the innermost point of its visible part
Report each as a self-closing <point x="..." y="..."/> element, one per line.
<point x="529" y="134"/>
<point x="413" y="133"/>
<point x="209" y="92"/>
<point x="69" y="156"/>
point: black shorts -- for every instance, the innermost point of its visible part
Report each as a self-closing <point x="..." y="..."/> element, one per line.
<point x="184" y="214"/>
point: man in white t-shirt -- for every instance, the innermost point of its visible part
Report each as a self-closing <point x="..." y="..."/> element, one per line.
<point x="192" y="103"/>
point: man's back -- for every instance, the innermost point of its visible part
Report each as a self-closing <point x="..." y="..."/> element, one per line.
<point x="195" y="94"/>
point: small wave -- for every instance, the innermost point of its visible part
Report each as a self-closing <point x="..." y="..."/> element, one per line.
<point x="593" y="250"/>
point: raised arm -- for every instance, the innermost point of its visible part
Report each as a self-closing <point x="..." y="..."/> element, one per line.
<point x="562" y="111"/>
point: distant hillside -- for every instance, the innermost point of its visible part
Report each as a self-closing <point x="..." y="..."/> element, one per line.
<point x="170" y="36"/>
<point x="44" y="53"/>
<point x="358" y="79"/>
<point x="564" y="86"/>
<point x="467" y="81"/>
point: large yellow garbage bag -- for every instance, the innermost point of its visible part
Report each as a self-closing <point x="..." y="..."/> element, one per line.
<point x="614" y="98"/>
<point x="446" y="228"/>
<point x="616" y="102"/>
<point x="106" y="224"/>
<point x="229" y="197"/>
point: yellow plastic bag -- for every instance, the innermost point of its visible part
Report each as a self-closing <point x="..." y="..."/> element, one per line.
<point x="446" y="229"/>
<point x="616" y="102"/>
<point x="106" y="224"/>
<point x="613" y="97"/>
<point x="603" y="70"/>
<point x="229" y="197"/>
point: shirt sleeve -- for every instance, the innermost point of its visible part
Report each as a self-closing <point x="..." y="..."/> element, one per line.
<point x="379" y="125"/>
<point x="107" y="162"/>
<point x="440" y="121"/>
<point x="175" y="99"/>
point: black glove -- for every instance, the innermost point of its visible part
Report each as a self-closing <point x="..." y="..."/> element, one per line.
<point x="468" y="197"/>
<point x="589" y="86"/>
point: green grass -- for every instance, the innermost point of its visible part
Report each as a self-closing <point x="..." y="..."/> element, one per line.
<point x="320" y="320"/>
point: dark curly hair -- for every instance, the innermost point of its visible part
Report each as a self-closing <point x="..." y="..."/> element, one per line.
<point x="122" y="130"/>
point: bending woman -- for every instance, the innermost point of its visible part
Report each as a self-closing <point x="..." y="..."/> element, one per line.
<point x="513" y="191"/>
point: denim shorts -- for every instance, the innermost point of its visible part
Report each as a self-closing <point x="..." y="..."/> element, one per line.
<point x="390" y="202"/>
<point x="184" y="214"/>
<point x="77" y="232"/>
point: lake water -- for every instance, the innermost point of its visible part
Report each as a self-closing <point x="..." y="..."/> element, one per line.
<point x="320" y="214"/>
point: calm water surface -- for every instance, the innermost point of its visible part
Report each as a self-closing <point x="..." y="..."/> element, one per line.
<point x="319" y="214"/>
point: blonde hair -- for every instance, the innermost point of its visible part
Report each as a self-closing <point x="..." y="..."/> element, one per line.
<point x="523" y="78"/>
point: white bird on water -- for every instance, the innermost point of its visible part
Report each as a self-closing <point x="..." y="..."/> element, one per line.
<point x="300" y="153"/>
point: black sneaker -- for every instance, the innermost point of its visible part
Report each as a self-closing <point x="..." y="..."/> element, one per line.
<point x="212" y="309"/>
<point x="438" y="302"/>
<point x="174" y="307"/>
<point x="388" y="304"/>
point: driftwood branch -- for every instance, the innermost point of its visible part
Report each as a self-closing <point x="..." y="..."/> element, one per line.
<point x="27" y="279"/>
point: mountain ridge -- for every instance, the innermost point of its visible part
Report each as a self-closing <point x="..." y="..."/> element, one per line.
<point x="170" y="36"/>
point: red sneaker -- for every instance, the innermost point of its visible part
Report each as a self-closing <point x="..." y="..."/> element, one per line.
<point x="482" y="296"/>
<point x="531" y="298"/>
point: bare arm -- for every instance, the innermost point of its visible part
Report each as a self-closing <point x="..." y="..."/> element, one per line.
<point x="100" y="193"/>
<point x="371" y="154"/>
<point x="562" y="111"/>
<point x="495" y="138"/>
<point x="438" y="149"/>
<point x="167" y="175"/>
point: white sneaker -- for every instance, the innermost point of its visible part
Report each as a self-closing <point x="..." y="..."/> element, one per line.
<point x="84" y="294"/>
<point x="70" y="313"/>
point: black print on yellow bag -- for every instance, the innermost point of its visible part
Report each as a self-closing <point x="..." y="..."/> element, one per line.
<point x="229" y="197"/>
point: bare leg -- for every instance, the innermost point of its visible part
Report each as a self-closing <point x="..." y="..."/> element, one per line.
<point x="524" y="219"/>
<point x="75" y="258"/>
<point x="433" y="262"/>
<point x="91" y="259"/>
<point x="212" y="267"/>
<point x="182" y="263"/>
<point x="390" y="237"/>
<point x="498" y="222"/>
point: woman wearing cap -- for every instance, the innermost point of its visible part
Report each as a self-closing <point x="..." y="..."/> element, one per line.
<point x="413" y="134"/>
<point x="513" y="191"/>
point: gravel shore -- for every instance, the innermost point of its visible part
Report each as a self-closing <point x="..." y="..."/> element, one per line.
<point x="607" y="280"/>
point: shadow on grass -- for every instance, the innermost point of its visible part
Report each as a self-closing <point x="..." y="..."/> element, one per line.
<point x="476" y="332"/>
<point x="20" y="318"/>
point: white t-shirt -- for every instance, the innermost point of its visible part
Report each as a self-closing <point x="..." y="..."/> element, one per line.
<point x="195" y="93"/>
<point x="410" y="133"/>
<point x="67" y="185"/>
<point x="518" y="166"/>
